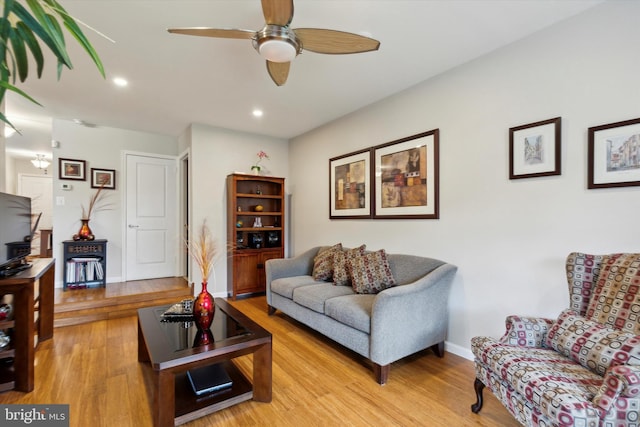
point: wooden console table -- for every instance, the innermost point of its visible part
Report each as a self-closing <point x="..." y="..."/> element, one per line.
<point x="28" y="299"/>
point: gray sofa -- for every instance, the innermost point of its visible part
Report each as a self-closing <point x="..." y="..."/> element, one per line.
<point x="383" y="327"/>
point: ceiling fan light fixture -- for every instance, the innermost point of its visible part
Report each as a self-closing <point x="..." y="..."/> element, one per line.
<point x="276" y="50"/>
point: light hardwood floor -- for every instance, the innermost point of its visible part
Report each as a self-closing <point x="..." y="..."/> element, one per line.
<point x="94" y="368"/>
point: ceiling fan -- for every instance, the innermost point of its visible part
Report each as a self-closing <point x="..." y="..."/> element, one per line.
<point x="279" y="44"/>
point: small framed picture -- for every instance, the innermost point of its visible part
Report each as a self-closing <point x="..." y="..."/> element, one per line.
<point x="614" y="155"/>
<point x="535" y="149"/>
<point x="407" y="178"/>
<point x="72" y="169"/>
<point x="350" y="185"/>
<point x="105" y="178"/>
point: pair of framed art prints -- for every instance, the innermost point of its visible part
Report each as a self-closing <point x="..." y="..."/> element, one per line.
<point x="400" y="179"/>
<point x="394" y="180"/>
<point x="613" y="152"/>
<point x="76" y="170"/>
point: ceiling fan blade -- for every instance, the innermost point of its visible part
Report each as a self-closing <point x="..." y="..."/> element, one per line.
<point x="279" y="71"/>
<point x="214" y="32"/>
<point x="334" y="42"/>
<point x="277" y="12"/>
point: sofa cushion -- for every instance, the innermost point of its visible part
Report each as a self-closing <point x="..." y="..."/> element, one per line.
<point x="582" y="275"/>
<point x="616" y="298"/>
<point x="371" y="273"/>
<point x="592" y="344"/>
<point x="285" y="285"/>
<point x="341" y="260"/>
<point x="323" y="263"/>
<point x="352" y="310"/>
<point x="314" y="296"/>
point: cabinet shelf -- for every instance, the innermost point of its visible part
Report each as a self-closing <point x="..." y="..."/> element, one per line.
<point x="85" y="264"/>
<point x="253" y="245"/>
<point x="258" y="196"/>
<point x="252" y="213"/>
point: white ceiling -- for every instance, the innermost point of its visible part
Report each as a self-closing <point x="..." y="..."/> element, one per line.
<point x="175" y="80"/>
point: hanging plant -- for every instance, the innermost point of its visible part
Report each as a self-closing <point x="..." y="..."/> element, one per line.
<point x="22" y="30"/>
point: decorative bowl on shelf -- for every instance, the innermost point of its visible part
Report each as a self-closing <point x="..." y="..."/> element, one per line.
<point x="259" y="208"/>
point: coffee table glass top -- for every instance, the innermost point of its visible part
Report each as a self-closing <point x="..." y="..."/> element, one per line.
<point x="170" y="344"/>
<point x="184" y="335"/>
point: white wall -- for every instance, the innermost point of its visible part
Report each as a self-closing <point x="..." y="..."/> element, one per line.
<point x="509" y="238"/>
<point x="216" y="153"/>
<point x="101" y="147"/>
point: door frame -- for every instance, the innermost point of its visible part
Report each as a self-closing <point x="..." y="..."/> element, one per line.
<point x="184" y="211"/>
<point x="123" y="201"/>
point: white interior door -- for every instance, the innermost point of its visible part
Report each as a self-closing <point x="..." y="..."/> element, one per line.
<point x="40" y="189"/>
<point x="151" y="223"/>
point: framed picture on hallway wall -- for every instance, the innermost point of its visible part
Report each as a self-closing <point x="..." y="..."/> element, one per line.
<point x="105" y="178"/>
<point x="72" y="169"/>
<point x="350" y="185"/>
<point x="535" y="149"/>
<point x="407" y="178"/>
<point x="614" y="155"/>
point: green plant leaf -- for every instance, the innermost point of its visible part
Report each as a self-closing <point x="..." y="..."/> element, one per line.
<point x="19" y="54"/>
<point x="77" y="33"/>
<point x="44" y="33"/>
<point x="12" y="88"/>
<point x="31" y="41"/>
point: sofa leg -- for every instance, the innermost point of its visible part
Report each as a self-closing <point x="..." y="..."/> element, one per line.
<point x="438" y="349"/>
<point x="478" y="386"/>
<point x="271" y="310"/>
<point x="381" y="373"/>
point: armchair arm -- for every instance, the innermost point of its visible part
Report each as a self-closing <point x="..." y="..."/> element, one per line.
<point x="619" y="382"/>
<point x="526" y="331"/>
<point x="408" y="318"/>
<point x="299" y="265"/>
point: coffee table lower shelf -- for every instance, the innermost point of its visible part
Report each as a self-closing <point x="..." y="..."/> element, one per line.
<point x="189" y="406"/>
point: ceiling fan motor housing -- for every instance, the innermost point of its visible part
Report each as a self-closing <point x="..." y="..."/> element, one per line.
<point x="277" y="43"/>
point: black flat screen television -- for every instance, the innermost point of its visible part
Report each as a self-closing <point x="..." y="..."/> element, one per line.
<point x="15" y="233"/>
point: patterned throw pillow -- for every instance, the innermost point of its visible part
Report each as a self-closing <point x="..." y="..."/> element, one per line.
<point x="371" y="273"/>
<point x="323" y="263"/>
<point x="591" y="344"/>
<point x="616" y="298"/>
<point x="341" y="275"/>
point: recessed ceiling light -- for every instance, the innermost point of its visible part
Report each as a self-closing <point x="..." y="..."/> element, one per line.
<point x="257" y="113"/>
<point x="119" y="81"/>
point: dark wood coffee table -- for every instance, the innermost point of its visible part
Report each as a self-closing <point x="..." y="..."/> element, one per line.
<point x="169" y="347"/>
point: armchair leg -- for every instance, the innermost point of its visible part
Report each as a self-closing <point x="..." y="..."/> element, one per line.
<point x="381" y="373"/>
<point x="438" y="349"/>
<point x="478" y="387"/>
<point x="271" y="310"/>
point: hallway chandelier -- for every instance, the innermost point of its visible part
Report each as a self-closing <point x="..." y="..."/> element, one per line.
<point x="40" y="162"/>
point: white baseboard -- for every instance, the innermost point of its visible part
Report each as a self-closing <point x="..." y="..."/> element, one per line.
<point x="458" y="350"/>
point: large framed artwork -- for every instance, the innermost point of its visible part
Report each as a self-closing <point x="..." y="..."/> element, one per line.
<point x="535" y="149"/>
<point x="406" y="177"/>
<point x="350" y="185"/>
<point x="614" y="155"/>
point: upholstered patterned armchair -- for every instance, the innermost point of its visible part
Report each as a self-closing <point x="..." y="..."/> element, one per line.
<point x="581" y="369"/>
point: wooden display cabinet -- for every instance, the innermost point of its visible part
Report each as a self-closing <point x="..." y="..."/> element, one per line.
<point x="255" y="230"/>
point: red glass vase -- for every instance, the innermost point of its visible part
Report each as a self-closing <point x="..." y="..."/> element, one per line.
<point x="85" y="232"/>
<point x="203" y="309"/>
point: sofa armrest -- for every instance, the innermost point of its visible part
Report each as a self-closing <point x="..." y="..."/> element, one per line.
<point x="299" y="265"/>
<point x="408" y="318"/>
<point x="620" y="381"/>
<point x="526" y="331"/>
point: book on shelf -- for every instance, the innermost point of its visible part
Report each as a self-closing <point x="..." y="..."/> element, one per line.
<point x="209" y="379"/>
<point x="82" y="269"/>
